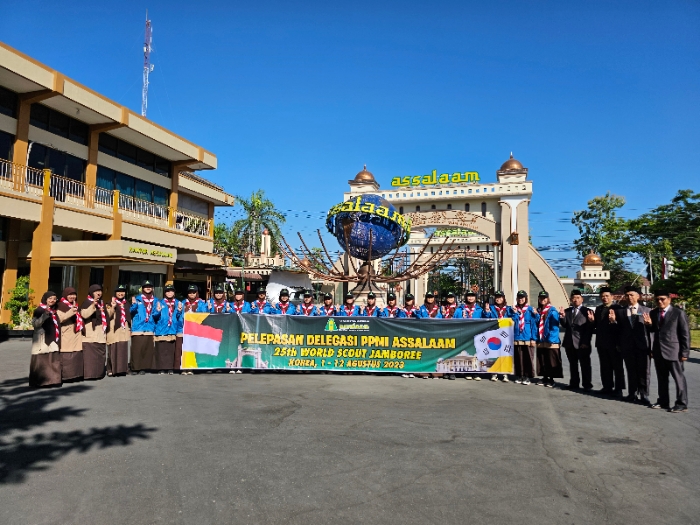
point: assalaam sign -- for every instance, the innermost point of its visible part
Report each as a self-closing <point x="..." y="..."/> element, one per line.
<point x="369" y="207"/>
<point x="433" y="178"/>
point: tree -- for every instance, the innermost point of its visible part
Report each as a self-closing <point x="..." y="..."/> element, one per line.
<point x="607" y="234"/>
<point x="227" y="244"/>
<point x="19" y="299"/>
<point x="260" y="215"/>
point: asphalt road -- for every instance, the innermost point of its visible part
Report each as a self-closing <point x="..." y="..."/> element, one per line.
<point x="318" y="449"/>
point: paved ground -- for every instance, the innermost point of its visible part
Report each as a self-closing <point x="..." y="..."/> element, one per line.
<point x="319" y="449"/>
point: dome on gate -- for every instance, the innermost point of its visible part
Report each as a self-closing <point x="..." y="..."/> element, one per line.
<point x="364" y="176"/>
<point x="511" y="164"/>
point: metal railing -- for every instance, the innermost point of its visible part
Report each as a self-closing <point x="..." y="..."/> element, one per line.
<point x="144" y="210"/>
<point x="192" y="223"/>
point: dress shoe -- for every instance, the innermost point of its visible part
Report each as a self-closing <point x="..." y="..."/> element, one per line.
<point x="617" y="394"/>
<point x="678" y="409"/>
<point x="645" y="401"/>
<point x="631" y="398"/>
<point x="659" y="405"/>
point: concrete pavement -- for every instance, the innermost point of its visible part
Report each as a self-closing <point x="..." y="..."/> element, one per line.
<point x="318" y="449"/>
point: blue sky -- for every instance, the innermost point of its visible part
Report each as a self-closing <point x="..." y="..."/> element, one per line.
<point x="294" y="97"/>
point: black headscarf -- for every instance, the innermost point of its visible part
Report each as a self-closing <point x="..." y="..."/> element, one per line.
<point x="48" y="324"/>
<point x="96" y="318"/>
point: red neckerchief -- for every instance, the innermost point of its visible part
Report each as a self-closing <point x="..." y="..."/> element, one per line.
<point x="101" y="307"/>
<point x="284" y="307"/>
<point x="171" y="308"/>
<point x="191" y="307"/>
<point x="409" y="312"/>
<point x="369" y="312"/>
<point x="350" y="312"/>
<point x="122" y="308"/>
<point x="330" y="310"/>
<point x="261" y="305"/>
<point x="218" y="307"/>
<point x="543" y="315"/>
<point x="148" y="302"/>
<point x="433" y="311"/>
<point x="238" y="306"/>
<point x="467" y="310"/>
<point x="392" y="311"/>
<point x="55" y="319"/>
<point x="521" y="316"/>
<point x="449" y="311"/>
<point x="78" y="318"/>
<point x="500" y="310"/>
<point x="307" y="311"/>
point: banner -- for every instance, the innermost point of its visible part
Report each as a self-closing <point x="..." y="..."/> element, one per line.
<point x="370" y="344"/>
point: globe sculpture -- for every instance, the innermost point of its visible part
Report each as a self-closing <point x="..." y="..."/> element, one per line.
<point x="368" y="227"/>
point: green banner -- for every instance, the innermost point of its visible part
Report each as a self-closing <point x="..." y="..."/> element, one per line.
<point x="371" y="344"/>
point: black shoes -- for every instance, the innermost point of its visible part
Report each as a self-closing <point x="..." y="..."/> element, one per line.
<point x="659" y="405"/>
<point x="451" y="377"/>
<point x="678" y="409"/>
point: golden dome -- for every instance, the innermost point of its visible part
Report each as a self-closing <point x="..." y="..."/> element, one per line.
<point x="305" y="262"/>
<point x="511" y="164"/>
<point x="364" y="176"/>
<point x="593" y="259"/>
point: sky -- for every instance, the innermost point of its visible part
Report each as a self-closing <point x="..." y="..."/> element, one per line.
<point x="295" y="97"/>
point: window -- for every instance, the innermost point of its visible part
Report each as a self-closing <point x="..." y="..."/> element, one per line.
<point x="125" y="184"/>
<point x="143" y="190"/>
<point x="61" y="164"/>
<point x="432" y="206"/>
<point x="8" y="102"/>
<point x="417" y="208"/>
<point x="59" y="124"/>
<point x="145" y="159"/>
<point x="78" y="132"/>
<point x="160" y="195"/>
<point x="466" y="207"/>
<point x="6" y="141"/>
<point x="134" y="155"/>
<point x="108" y="144"/>
<point x="449" y="206"/>
<point x="483" y="209"/>
<point x="400" y="209"/>
<point x="162" y="167"/>
<point x="105" y="178"/>
<point x="37" y="156"/>
<point x="126" y="152"/>
<point x="75" y="168"/>
<point x="43" y="117"/>
<point x="39" y="116"/>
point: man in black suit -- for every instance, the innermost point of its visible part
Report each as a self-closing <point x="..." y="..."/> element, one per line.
<point x="612" y="369"/>
<point x="635" y="342"/>
<point x="670" y="349"/>
<point x="577" y="339"/>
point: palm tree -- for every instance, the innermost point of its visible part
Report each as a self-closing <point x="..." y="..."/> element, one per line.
<point x="260" y="215"/>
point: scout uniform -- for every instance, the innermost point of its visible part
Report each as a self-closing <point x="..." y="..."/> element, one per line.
<point x="284" y="307"/>
<point x="373" y="310"/>
<point x="171" y="312"/>
<point x="349" y="310"/>
<point x="260" y="305"/>
<point x="119" y="335"/>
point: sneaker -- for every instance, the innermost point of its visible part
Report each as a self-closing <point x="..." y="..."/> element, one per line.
<point x="190" y="373"/>
<point x="405" y="376"/>
<point x="451" y="377"/>
<point x="142" y="373"/>
<point x="170" y="372"/>
<point x="477" y="378"/>
<point x="519" y="380"/>
<point x="494" y="377"/>
<point x="505" y="379"/>
<point x="541" y="383"/>
<point x="232" y="372"/>
<point x="549" y="385"/>
<point x="526" y="381"/>
<point x="238" y="372"/>
<point x="426" y="377"/>
<point x="469" y="378"/>
<point x="411" y="376"/>
<point x="183" y="373"/>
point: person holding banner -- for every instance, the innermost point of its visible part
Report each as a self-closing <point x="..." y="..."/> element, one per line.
<point x="284" y="307"/>
<point x="119" y="335"/>
<point x="96" y="315"/>
<point x="371" y="310"/>
<point x="71" y="336"/>
<point x="470" y="310"/>
<point x="260" y="305"/>
<point x="392" y="310"/>
<point x="525" y="339"/>
<point x="548" y="352"/>
<point x="409" y="308"/>
<point x="239" y="305"/>
<point x="450" y="308"/>
<point x="193" y="303"/>
<point x="166" y="330"/>
<point x="328" y="308"/>
<point x="499" y="310"/>
<point x="307" y="307"/>
<point x="430" y="309"/>
<point x="349" y="308"/>
<point x="218" y="304"/>
<point x="143" y="325"/>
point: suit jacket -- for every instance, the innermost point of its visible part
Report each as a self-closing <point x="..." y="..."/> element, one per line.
<point x="605" y="331"/>
<point x="579" y="329"/>
<point x="634" y="336"/>
<point x="672" y="339"/>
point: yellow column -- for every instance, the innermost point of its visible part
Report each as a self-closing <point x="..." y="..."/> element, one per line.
<point x="9" y="277"/>
<point x="41" y="245"/>
<point x="21" y="145"/>
<point x="84" y="274"/>
<point x="111" y="281"/>
<point x="170" y="276"/>
<point x="93" y="151"/>
<point x="116" y="219"/>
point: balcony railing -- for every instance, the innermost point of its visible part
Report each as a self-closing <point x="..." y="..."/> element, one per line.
<point x="18" y="178"/>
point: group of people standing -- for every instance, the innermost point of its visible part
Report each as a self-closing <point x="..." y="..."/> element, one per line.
<point x="73" y="340"/>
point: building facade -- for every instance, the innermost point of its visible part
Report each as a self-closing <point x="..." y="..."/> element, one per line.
<point x="91" y="192"/>
<point x="489" y="221"/>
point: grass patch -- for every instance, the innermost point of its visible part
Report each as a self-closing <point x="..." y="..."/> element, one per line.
<point x="695" y="339"/>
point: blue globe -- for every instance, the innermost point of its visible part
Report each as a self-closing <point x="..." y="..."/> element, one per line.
<point x="352" y="228"/>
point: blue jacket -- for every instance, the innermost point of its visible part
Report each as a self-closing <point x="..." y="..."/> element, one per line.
<point x="400" y="314"/>
<point x="313" y="313"/>
<point x="267" y="308"/>
<point x="321" y="309"/>
<point x="551" y="328"/>
<point x="414" y="312"/>
<point x="292" y="310"/>
<point x="245" y="309"/>
<point x="424" y="314"/>
<point x="162" y="327"/>
<point x="356" y="311"/>
<point x="510" y="313"/>
<point x="529" y="331"/>
<point x="211" y="307"/>
<point x="461" y="312"/>
<point x="375" y="312"/>
<point x="138" y="317"/>
<point x="200" y="307"/>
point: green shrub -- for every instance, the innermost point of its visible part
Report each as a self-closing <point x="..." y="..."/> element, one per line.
<point x="19" y="300"/>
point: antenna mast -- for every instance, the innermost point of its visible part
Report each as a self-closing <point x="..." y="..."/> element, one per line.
<point x="147" y="66"/>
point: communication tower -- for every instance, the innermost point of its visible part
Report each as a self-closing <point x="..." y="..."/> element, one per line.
<point x="147" y="66"/>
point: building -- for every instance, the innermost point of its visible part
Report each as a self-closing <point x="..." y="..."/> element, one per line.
<point x="590" y="277"/>
<point x="91" y="192"/>
<point x="487" y="222"/>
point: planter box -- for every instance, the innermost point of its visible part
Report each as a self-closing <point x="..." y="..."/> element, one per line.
<point x="15" y="334"/>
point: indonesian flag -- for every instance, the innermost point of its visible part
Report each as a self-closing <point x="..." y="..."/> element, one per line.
<point x="200" y="338"/>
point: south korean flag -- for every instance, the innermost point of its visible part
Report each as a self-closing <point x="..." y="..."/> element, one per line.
<point x="494" y="343"/>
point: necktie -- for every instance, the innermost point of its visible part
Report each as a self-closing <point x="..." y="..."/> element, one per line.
<point x="662" y="315"/>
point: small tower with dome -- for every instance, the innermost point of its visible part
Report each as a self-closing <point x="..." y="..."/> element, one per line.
<point x="592" y="273"/>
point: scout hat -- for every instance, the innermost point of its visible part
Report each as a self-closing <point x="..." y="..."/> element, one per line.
<point x="238" y="291"/>
<point x="284" y="292"/>
<point x="218" y="288"/>
<point x="349" y="296"/>
<point x="327" y="296"/>
<point x="307" y="293"/>
<point x="498" y="293"/>
<point x="471" y="293"/>
<point x="409" y="297"/>
<point x="168" y="288"/>
<point x="261" y="289"/>
<point x="147" y="284"/>
<point x="192" y="288"/>
<point x="120" y="288"/>
<point x="391" y="297"/>
<point x="543" y="294"/>
<point x="522" y="293"/>
<point x="371" y="295"/>
<point x="450" y="294"/>
<point x="429" y="295"/>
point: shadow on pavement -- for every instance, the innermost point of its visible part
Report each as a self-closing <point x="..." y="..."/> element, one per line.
<point x="25" y="409"/>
